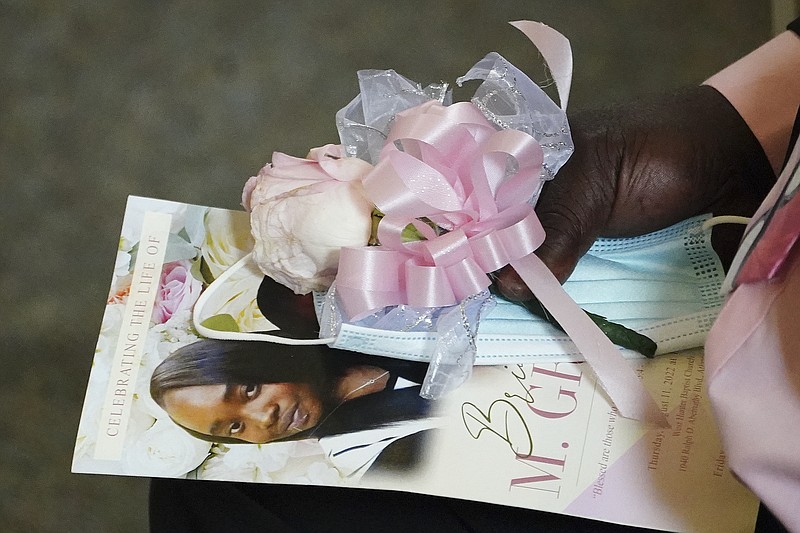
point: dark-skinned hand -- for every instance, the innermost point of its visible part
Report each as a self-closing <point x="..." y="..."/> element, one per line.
<point x="646" y="165"/>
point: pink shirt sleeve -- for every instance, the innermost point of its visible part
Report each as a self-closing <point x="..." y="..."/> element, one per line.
<point x="753" y="353"/>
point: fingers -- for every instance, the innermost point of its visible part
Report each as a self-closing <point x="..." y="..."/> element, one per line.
<point x="560" y="259"/>
<point x="575" y="206"/>
<point x="569" y="233"/>
<point x="511" y="285"/>
<point x="560" y="255"/>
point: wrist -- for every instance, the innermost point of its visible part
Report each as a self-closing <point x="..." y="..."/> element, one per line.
<point x="764" y="88"/>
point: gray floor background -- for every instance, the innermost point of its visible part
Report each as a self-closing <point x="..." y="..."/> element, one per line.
<point x="184" y="100"/>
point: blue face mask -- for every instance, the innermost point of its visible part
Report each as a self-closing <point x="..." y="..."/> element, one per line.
<point x="665" y="285"/>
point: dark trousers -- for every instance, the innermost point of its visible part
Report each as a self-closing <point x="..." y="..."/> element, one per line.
<point x="207" y="506"/>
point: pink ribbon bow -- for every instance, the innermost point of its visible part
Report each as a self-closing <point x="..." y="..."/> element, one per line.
<point x="451" y="166"/>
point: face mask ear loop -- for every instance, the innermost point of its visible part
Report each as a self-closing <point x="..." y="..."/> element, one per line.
<point x="724" y="219"/>
<point x="204" y="331"/>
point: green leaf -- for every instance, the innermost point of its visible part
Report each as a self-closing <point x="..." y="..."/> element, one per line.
<point x="223" y="322"/>
<point x="178" y="249"/>
<point x="183" y="235"/>
<point x="625" y="337"/>
<point x="203" y="270"/>
<point x="411" y="233"/>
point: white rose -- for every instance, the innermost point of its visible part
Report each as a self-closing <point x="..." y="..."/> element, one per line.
<point x="238" y="298"/>
<point x="89" y="424"/>
<point x="164" y="450"/>
<point x="228" y="239"/>
<point x="247" y="462"/>
<point x="303" y="211"/>
<point x="108" y="339"/>
<point x="122" y="264"/>
<point x="215" y="469"/>
<point x="175" y="332"/>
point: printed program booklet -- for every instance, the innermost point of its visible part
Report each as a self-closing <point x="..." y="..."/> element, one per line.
<point x="534" y="435"/>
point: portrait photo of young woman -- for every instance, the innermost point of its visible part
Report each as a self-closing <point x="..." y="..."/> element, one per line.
<point x="365" y="411"/>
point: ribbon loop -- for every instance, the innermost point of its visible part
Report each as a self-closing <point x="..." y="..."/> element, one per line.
<point x="428" y="286"/>
<point x="369" y="278"/>
<point x="446" y="164"/>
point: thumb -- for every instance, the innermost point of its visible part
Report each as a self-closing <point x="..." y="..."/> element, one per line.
<point x="573" y="210"/>
<point x="560" y="251"/>
<point x="572" y="217"/>
<point x="575" y="206"/>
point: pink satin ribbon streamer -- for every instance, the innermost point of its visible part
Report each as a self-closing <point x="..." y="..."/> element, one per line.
<point x="612" y="371"/>
<point x="451" y="166"/>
